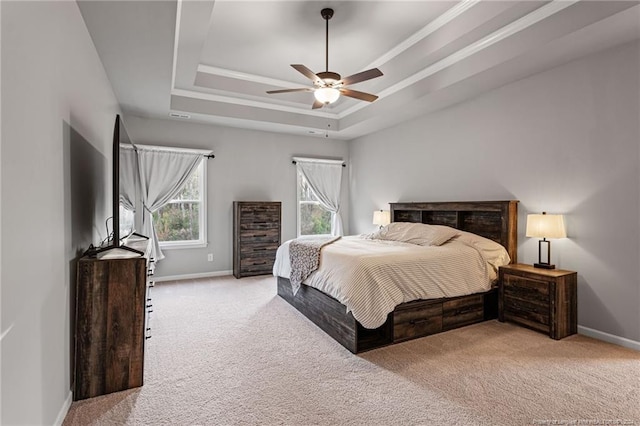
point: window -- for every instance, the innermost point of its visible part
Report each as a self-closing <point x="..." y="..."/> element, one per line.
<point x="181" y="222"/>
<point x="313" y="219"/>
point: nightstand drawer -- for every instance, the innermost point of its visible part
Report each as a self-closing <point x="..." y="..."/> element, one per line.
<point x="529" y="289"/>
<point x="531" y="313"/>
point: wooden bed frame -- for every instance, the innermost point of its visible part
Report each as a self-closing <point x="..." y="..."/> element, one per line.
<point x="496" y="220"/>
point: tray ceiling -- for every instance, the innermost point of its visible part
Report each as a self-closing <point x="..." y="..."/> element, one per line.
<point x="214" y="61"/>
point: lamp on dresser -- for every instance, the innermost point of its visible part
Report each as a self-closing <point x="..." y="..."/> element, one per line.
<point x="545" y="226"/>
<point x="381" y="218"/>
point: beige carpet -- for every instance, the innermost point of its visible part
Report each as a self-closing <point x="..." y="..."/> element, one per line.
<point x="231" y="352"/>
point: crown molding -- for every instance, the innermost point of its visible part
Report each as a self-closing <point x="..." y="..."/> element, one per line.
<point x="222" y="72"/>
<point x="426" y="31"/>
<point x="250" y="103"/>
<point x="478" y="46"/>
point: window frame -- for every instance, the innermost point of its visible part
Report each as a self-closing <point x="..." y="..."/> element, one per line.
<point x="202" y="221"/>
<point x="299" y="202"/>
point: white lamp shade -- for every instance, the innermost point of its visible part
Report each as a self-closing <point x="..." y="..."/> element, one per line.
<point x="326" y="95"/>
<point x="381" y="217"/>
<point x="546" y="226"/>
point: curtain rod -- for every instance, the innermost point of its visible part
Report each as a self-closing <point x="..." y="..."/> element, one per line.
<point x="205" y="152"/>
<point x="313" y="160"/>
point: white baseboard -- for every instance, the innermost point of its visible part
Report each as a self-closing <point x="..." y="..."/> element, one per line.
<point x="64" y="410"/>
<point x="616" y="340"/>
<point x="192" y="276"/>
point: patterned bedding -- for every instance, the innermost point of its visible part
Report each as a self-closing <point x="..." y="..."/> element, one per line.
<point x="304" y="257"/>
<point x="372" y="276"/>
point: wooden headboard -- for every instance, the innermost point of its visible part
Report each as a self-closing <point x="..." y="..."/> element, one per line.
<point x="495" y="220"/>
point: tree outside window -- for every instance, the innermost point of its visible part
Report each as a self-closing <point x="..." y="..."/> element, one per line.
<point x="181" y="221"/>
<point x="313" y="219"/>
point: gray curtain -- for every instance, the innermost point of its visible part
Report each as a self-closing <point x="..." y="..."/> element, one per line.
<point x="163" y="174"/>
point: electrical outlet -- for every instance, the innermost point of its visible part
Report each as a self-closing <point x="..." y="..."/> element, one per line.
<point x="210" y="257"/>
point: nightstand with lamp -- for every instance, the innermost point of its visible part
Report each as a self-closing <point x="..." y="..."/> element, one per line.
<point x="539" y="296"/>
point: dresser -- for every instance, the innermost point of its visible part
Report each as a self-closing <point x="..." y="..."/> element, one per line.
<point x="541" y="299"/>
<point x="112" y="309"/>
<point x="256" y="237"/>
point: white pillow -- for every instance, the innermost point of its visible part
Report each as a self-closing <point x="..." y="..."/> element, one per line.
<point x="493" y="253"/>
<point x="416" y="233"/>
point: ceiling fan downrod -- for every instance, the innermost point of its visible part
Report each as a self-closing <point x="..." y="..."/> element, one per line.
<point x="327" y="14"/>
<point x="327" y="76"/>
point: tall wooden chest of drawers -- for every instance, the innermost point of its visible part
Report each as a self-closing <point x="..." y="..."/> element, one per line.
<point x="256" y="237"/>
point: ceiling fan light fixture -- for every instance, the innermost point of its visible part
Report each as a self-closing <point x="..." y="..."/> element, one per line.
<point x="326" y="95"/>
<point x="329" y="85"/>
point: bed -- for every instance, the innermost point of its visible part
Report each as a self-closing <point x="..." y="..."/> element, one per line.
<point x="494" y="220"/>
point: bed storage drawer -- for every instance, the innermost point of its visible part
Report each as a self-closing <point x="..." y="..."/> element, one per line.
<point x="462" y="311"/>
<point x="417" y="319"/>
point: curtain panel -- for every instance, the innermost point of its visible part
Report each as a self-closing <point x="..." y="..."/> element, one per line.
<point x="128" y="178"/>
<point x="163" y="173"/>
<point x="325" y="180"/>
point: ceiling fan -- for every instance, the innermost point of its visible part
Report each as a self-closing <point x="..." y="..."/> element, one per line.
<point x="328" y="85"/>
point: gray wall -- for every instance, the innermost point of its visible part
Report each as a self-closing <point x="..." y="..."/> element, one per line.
<point x="563" y="141"/>
<point x="58" y="111"/>
<point x="249" y="165"/>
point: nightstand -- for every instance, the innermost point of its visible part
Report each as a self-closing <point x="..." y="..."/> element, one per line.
<point x="545" y="300"/>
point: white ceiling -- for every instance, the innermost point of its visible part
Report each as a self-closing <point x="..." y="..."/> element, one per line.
<point x="214" y="61"/>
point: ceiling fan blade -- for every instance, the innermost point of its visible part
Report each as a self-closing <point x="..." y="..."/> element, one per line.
<point x="362" y="76"/>
<point x="307" y="73"/>
<point x="317" y="104"/>
<point x="305" y="89"/>
<point x="358" y="95"/>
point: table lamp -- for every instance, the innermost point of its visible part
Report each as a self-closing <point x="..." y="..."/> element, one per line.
<point x="545" y="226"/>
<point x="381" y="218"/>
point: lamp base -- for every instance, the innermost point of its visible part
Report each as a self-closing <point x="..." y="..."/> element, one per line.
<point x="544" y="266"/>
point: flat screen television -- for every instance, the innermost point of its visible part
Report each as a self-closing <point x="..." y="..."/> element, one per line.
<point x="122" y="225"/>
<point x="123" y="218"/>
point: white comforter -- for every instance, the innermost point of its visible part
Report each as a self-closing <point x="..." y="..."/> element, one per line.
<point x="371" y="277"/>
